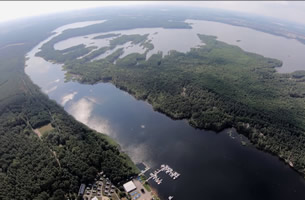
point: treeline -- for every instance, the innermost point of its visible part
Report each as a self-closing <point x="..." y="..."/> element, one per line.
<point x="215" y="87"/>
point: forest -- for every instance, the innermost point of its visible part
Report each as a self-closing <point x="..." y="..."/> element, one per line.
<point x="214" y="87"/>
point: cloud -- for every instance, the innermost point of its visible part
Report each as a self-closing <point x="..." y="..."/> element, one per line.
<point x="139" y="153"/>
<point x="56" y="81"/>
<point x="93" y="100"/>
<point x="47" y="91"/>
<point x="67" y="98"/>
<point x="82" y="111"/>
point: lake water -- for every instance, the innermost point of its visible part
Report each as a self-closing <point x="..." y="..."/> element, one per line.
<point x="213" y="166"/>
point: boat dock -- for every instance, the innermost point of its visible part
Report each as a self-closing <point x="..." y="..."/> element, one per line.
<point x="168" y="170"/>
<point x="145" y="170"/>
<point x="164" y="168"/>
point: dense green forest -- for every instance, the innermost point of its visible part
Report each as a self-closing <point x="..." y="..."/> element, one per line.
<point x="214" y="87"/>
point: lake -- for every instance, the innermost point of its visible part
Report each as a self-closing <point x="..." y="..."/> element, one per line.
<point x="213" y="166"/>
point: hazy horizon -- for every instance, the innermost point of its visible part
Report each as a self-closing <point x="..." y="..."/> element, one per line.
<point x="282" y="10"/>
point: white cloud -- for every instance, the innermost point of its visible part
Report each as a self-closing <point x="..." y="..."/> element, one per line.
<point x="67" y="98"/>
<point x="139" y="153"/>
<point x="56" y="81"/>
<point x="47" y="91"/>
<point x="82" y="111"/>
<point x="93" y="100"/>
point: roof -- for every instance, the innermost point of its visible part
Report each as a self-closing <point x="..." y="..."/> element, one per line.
<point x="81" y="189"/>
<point x="129" y="186"/>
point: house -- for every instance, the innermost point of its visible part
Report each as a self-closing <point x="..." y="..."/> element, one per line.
<point x="81" y="190"/>
<point x="129" y="186"/>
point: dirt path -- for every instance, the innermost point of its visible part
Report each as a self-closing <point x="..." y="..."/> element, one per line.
<point x="56" y="158"/>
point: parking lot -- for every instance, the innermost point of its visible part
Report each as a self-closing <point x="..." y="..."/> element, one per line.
<point x="140" y="193"/>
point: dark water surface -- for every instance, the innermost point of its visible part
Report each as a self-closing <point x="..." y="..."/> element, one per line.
<point x="213" y="166"/>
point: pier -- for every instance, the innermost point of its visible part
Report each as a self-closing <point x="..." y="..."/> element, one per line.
<point x="164" y="168"/>
<point x="145" y="170"/>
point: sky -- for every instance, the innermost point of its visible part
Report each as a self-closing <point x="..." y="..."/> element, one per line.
<point x="292" y="11"/>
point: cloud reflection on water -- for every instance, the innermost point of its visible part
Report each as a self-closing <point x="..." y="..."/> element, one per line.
<point x="47" y="91"/>
<point x="139" y="153"/>
<point x="67" y="98"/>
<point x="82" y="110"/>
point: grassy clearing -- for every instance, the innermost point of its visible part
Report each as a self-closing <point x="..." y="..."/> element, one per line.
<point x="45" y="128"/>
